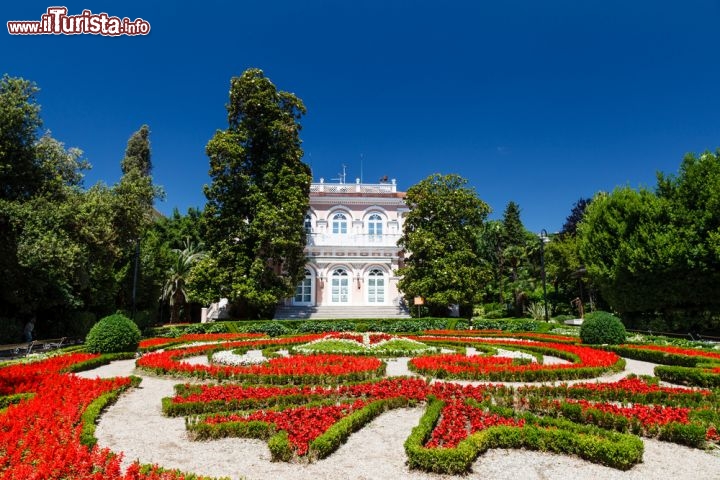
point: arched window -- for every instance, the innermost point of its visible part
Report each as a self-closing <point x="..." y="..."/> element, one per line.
<point x="376" y="286"/>
<point x="308" y="223"/>
<point x="340" y="286"/>
<point x="375" y="224"/>
<point x="339" y="224"/>
<point x="304" y="290"/>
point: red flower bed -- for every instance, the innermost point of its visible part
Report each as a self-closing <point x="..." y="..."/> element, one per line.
<point x="502" y="333"/>
<point x="647" y="415"/>
<point x="460" y="420"/>
<point x="676" y="351"/>
<point x="169" y="361"/>
<point x="303" y="424"/>
<point x="412" y="388"/>
<point x="479" y="366"/>
<point x="355" y="337"/>
<point x="40" y="437"/>
<point x="197" y="337"/>
<point x="636" y="385"/>
<point x="24" y="378"/>
<point x="457" y="363"/>
<point x="379" y="337"/>
<point x="280" y="368"/>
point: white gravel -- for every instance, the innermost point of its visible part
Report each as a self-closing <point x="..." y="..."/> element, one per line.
<point x="135" y="426"/>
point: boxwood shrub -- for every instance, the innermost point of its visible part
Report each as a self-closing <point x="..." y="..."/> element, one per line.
<point x="115" y="333"/>
<point x="602" y="328"/>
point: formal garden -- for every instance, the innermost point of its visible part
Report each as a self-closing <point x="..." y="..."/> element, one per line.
<point x="261" y="399"/>
<point x="504" y="390"/>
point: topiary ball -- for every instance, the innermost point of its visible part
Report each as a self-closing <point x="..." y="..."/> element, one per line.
<point x="602" y="327"/>
<point x="115" y="333"/>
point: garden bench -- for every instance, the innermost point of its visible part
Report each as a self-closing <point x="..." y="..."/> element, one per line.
<point x="17" y="349"/>
<point x="52" y="343"/>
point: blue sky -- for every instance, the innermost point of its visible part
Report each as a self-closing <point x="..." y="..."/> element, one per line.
<point x="537" y="102"/>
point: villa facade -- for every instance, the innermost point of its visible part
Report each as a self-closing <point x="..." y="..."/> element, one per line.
<point x="352" y="253"/>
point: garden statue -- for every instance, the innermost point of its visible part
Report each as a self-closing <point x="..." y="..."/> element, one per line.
<point x="577" y="303"/>
<point x="219" y="310"/>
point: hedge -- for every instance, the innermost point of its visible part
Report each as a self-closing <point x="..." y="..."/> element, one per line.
<point x="93" y="411"/>
<point x="654" y="356"/>
<point x="278" y="442"/>
<point x="103" y="359"/>
<point x="696" y="377"/>
<point x="617" y="450"/>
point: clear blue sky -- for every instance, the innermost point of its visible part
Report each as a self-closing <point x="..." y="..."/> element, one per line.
<point x="537" y="102"/>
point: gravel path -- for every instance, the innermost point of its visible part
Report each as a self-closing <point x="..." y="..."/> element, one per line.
<point x="135" y="426"/>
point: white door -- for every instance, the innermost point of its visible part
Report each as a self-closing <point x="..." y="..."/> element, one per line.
<point x="376" y="286"/>
<point x="304" y="292"/>
<point x="340" y="286"/>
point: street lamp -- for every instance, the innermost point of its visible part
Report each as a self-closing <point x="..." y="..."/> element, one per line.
<point x="543" y="239"/>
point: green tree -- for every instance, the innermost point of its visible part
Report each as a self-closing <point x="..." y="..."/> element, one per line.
<point x="174" y="291"/>
<point x="440" y="238"/>
<point x="137" y="153"/>
<point x="20" y="123"/>
<point x="652" y="254"/>
<point x="517" y="261"/>
<point x="575" y="217"/>
<point x="513" y="230"/>
<point x="258" y="196"/>
<point x="565" y="269"/>
<point x="134" y="213"/>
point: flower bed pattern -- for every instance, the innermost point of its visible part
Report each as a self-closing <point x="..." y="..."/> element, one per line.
<point x="542" y="337"/>
<point x="377" y="344"/>
<point x="687" y="366"/>
<point x="150" y="344"/>
<point x="48" y="413"/>
<point x="587" y="362"/>
<point x="41" y="437"/>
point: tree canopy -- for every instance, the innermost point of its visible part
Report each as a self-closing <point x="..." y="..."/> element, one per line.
<point x="656" y="252"/>
<point x="258" y="197"/>
<point x="441" y="241"/>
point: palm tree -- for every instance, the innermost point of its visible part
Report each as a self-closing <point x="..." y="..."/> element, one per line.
<point x="174" y="288"/>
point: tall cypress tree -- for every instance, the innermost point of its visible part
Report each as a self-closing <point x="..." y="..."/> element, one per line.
<point x="134" y="213"/>
<point x="258" y="196"/>
<point x="137" y="152"/>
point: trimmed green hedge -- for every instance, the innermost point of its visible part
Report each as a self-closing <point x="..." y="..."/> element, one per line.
<point x="280" y="447"/>
<point x="92" y="413"/>
<point x="505" y="324"/>
<point x="528" y="375"/>
<point x="171" y="409"/>
<point x="617" y="450"/>
<point x="114" y="333"/>
<point x="602" y="327"/>
<point x="99" y="361"/>
<point x="7" y="400"/>
<point x="283" y="327"/>
<point x="654" y="356"/>
<point x="696" y="377"/>
<point x="341" y="430"/>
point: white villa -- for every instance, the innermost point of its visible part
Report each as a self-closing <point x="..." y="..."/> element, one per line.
<point x="352" y="253"/>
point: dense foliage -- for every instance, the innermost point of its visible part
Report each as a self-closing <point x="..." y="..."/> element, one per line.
<point x="114" y="333"/>
<point x="656" y="255"/>
<point x="440" y="238"/>
<point x="64" y="250"/>
<point x="257" y="199"/>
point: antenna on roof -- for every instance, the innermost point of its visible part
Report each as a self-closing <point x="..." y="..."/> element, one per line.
<point x="341" y="176"/>
<point x="361" y="168"/>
